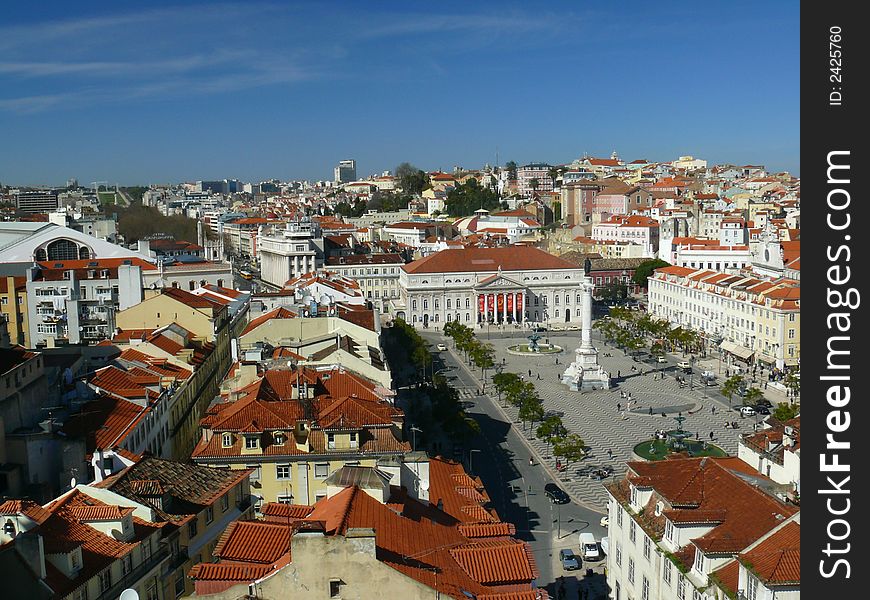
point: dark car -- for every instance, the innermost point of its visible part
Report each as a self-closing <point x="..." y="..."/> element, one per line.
<point x="761" y="409"/>
<point x="570" y="561"/>
<point x="556" y="494"/>
<point x="553" y="413"/>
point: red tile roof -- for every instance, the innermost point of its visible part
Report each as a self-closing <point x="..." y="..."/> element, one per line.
<point x="278" y="313"/>
<point x="253" y="542"/>
<point x="510" y="258"/>
<point x="777" y="560"/>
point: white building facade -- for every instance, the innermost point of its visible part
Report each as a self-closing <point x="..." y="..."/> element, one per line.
<point x="290" y="252"/>
<point x="479" y="286"/>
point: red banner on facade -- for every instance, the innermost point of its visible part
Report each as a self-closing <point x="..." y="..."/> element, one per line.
<point x="520" y="305"/>
<point x="510" y="301"/>
<point x="480" y="304"/>
<point x="491" y="304"/>
<point x="500" y="300"/>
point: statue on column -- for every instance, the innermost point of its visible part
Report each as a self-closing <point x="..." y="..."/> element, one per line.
<point x="585" y="373"/>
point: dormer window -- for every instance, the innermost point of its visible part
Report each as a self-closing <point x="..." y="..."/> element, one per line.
<point x="227" y="440"/>
<point x="9" y="526"/>
<point x="252" y="442"/>
<point x="634" y="496"/>
<point x="330" y="441"/>
<point x="279" y="438"/>
<point x="699" y="561"/>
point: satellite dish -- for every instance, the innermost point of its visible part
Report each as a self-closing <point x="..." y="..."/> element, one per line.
<point x="129" y="594"/>
<point x="424" y="484"/>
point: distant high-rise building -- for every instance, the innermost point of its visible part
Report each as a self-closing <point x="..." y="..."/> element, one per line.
<point x="345" y="172"/>
<point x="37" y="201"/>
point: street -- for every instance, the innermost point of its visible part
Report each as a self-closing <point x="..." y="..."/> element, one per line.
<point x="500" y="457"/>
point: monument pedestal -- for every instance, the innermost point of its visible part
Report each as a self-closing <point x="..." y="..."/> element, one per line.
<point x="585" y="373"/>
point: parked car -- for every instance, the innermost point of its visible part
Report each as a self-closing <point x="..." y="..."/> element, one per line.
<point x="684" y="364"/>
<point x="761" y="409"/>
<point x="661" y="359"/>
<point x="570" y="561"/>
<point x="556" y="494"/>
<point x="605" y="521"/>
<point x="747" y="411"/>
<point x="441" y="347"/>
<point x="553" y="413"/>
<point x="589" y="547"/>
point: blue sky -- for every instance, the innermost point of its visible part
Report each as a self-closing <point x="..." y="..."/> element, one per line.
<point x="153" y="92"/>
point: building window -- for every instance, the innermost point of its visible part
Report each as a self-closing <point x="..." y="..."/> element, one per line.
<point x="282" y="471"/>
<point x="751" y="587"/>
<point x="285" y="499"/>
<point x="647" y="547"/>
<point x="192" y="528"/>
<point x="330" y="441"/>
<point x="321" y="470"/>
<point x="669" y="530"/>
<point x="619" y="516"/>
<point x="255" y="472"/>
<point x="251" y="442"/>
<point x="632" y="532"/>
<point x="62" y="250"/>
<point x="209" y="515"/>
<point x="618" y="554"/>
<point x="335" y="588"/>
<point x="681" y="587"/>
<point x="225" y="502"/>
<point x="699" y="561"/>
<point x="666" y="573"/>
<point x="644" y="590"/>
<point x="354" y="441"/>
<point x="227" y="440"/>
<point x="279" y="439"/>
<point x="631" y="569"/>
<point x="127" y="564"/>
<point x="105" y="580"/>
<point x="448" y="304"/>
<point x="146" y="550"/>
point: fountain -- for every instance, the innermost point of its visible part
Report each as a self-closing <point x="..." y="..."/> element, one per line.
<point x="676" y="442"/>
<point x="533" y="347"/>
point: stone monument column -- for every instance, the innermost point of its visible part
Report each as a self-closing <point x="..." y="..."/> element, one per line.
<point x="585" y="373"/>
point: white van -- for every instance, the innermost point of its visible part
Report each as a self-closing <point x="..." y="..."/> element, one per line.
<point x="589" y="547"/>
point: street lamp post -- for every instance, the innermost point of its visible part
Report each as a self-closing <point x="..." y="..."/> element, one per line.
<point x="691" y="371"/>
<point x="471" y="460"/>
<point x="414" y="430"/>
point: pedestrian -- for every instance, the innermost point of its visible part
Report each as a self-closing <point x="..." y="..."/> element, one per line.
<point x="650" y="410"/>
<point x="609" y="453"/>
<point x="619" y="373"/>
<point x="697" y="436"/>
<point x="530" y="372"/>
<point x="711" y="435"/>
<point x="713" y="409"/>
<point x="618" y="407"/>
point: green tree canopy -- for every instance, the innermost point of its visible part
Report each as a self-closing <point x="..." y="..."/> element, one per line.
<point x="572" y="448"/>
<point x="645" y="269"/>
<point x="411" y="179"/>
<point x="784" y="412"/>
<point x="468" y="197"/>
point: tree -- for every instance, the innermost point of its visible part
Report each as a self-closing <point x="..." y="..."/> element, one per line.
<point x="645" y="269"/>
<point x="468" y="197"/>
<point x="793" y="383"/>
<point x="503" y="381"/>
<point x="511" y="168"/>
<point x="753" y="396"/>
<point x="411" y="179"/>
<point x="550" y="430"/>
<point x="732" y="386"/>
<point x="785" y="412"/>
<point x="553" y="174"/>
<point x="531" y="410"/>
<point x="571" y="448"/>
<point x="484" y="357"/>
<point x="534" y="183"/>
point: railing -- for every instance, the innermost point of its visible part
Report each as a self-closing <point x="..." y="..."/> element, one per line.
<point x="134" y="576"/>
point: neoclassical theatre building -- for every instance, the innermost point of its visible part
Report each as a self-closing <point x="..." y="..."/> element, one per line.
<point x="504" y="285"/>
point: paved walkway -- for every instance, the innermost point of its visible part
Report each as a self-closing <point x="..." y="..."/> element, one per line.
<point x="594" y="415"/>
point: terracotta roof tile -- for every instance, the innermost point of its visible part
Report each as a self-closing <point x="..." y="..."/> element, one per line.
<point x="511" y="258"/>
<point x="777" y="559"/>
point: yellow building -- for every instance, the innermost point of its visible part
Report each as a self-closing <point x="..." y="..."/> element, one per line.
<point x="294" y="427"/>
<point x="13" y="308"/>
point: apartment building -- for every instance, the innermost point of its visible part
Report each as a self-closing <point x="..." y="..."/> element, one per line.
<point x="376" y="274"/>
<point x="749" y="318"/>
<point x="689" y="529"/>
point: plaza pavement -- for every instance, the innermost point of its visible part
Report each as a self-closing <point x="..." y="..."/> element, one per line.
<point x="594" y="416"/>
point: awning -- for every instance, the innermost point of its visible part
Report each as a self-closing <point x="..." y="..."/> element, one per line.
<point x="736" y="349"/>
